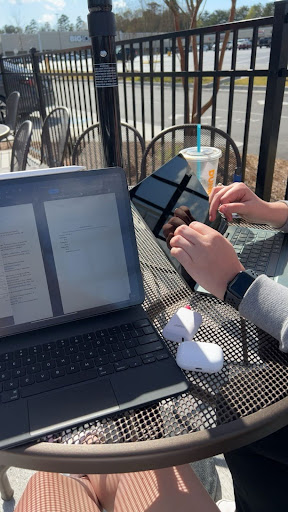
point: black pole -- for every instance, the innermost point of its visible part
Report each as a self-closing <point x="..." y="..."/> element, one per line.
<point x="37" y="77"/>
<point x="273" y="101"/>
<point x="102" y="30"/>
<point x="4" y="77"/>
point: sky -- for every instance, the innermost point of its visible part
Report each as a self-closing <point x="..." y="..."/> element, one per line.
<point x="20" y="12"/>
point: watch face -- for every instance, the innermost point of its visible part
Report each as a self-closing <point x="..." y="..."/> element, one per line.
<point x="241" y="284"/>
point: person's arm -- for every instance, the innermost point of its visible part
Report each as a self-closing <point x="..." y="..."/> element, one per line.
<point x="238" y="198"/>
<point x="265" y="304"/>
<point x="212" y="262"/>
<point x="284" y="228"/>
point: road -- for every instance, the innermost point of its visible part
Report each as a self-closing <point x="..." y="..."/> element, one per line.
<point x="81" y="101"/>
<point x="80" y="117"/>
<point x="242" y="62"/>
<point x="238" y="118"/>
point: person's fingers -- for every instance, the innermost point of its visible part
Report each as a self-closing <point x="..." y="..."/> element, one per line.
<point x="184" y="243"/>
<point x="214" y="191"/>
<point x="215" y="202"/>
<point x="222" y="189"/>
<point x="171" y="225"/>
<point x="225" y="195"/>
<point x="169" y="228"/>
<point x="184" y="213"/>
<point x="228" y="209"/>
<point x="177" y="221"/>
<point x="201" y="228"/>
<point x="183" y="258"/>
<point x="194" y="231"/>
<point x="168" y="239"/>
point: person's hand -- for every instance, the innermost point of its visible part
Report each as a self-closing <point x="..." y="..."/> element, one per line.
<point x="181" y="216"/>
<point x="238" y="198"/>
<point x="206" y="255"/>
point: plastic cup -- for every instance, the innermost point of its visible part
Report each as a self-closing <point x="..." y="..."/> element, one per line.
<point x="203" y="164"/>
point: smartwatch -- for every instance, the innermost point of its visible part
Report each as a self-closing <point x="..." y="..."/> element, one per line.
<point x="237" y="288"/>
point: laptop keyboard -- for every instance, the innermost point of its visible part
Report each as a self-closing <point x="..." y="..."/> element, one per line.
<point x="258" y="249"/>
<point x="46" y="367"/>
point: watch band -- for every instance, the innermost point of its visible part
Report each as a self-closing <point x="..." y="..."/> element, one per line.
<point x="237" y="288"/>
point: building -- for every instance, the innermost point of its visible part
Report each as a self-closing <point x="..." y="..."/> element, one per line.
<point x="18" y="44"/>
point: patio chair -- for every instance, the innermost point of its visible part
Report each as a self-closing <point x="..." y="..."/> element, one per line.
<point x="20" y="148"/>
<point x="88" y="150"/>
<point x="54" y="137"/>
<point x="170" y="141"/>
<point x="12" y="105"/>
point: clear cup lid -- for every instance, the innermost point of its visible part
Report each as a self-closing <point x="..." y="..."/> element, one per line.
<point x="206" y="153"/>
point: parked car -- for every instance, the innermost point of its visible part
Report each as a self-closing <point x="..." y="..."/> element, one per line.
<point x="20" y="78"/>
<point x="205" y="47"/>
<point x="127" y="54"/>
<point x="244" y="44"/>
<point x="265" y="41"/>
<point x="229" y="45"/>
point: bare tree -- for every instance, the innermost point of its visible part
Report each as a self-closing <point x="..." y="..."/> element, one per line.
<point x="32" y="27"/>
<point x="192" y="9"/>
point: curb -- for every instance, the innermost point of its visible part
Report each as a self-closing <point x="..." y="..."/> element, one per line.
<point x="204" y="86"/>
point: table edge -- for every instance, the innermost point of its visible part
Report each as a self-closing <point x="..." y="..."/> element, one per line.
<point x="150" y="454"/>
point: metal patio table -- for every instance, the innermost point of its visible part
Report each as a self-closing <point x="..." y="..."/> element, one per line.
<point x="247" y="400"/>
<point x="4" y="131"/>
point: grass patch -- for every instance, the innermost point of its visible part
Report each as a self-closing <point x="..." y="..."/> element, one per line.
<point x="168" y="79"/>
<point x="258" y="80"/>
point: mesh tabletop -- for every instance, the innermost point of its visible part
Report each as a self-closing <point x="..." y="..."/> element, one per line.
<point x="246" y="400"/>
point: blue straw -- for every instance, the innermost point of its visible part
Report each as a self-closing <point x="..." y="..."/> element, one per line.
<point x="198" y="150"/>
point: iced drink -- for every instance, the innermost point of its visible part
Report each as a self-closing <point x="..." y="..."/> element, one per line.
<point x="204" y="164"/>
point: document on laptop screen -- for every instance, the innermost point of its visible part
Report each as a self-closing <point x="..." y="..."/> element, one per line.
<point x="67" y="249"/>
<point x="24" y="290"/>
<point x="88" y="251"/>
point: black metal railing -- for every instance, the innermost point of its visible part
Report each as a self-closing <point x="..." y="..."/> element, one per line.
<point x="156" y="91"/>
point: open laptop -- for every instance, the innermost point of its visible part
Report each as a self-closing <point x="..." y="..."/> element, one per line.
<point x="75" y="342"/>
<point x="173" y="185"/>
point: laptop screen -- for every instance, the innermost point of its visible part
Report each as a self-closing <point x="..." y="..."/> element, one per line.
<point x="171" y="186"/>
<point x="68" y="249"/>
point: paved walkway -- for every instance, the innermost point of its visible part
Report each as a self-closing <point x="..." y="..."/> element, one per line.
<point x="5" y="156"/>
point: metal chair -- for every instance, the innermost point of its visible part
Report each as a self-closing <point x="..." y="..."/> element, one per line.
<point x="88" y="150"/>
<point x="12" y="105"/>
<point x="54" y="138"/>
<point x="170" y="141"/>
<point x="21" y="146"/>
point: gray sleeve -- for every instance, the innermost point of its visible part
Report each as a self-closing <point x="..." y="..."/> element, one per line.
<point x="285" y="226"/>
<point x="266" y="305"/>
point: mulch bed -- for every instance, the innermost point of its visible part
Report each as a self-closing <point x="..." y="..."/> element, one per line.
<point x="279" y="178"/>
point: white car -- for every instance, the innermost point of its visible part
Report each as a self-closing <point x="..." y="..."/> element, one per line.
<point x="229" y="45"/>
<point x="205" y="47"/>
<point x="244" y="44"/>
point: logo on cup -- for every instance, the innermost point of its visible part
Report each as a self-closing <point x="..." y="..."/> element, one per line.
<point x="211" y="181"/>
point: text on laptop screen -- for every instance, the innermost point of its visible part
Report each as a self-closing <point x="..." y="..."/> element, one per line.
<point x="67" y="249"/>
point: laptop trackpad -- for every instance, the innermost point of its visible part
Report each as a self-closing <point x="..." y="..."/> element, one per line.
<point x="72" y="404"/>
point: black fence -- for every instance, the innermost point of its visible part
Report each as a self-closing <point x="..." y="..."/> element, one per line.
<point x="169" y="79"/>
